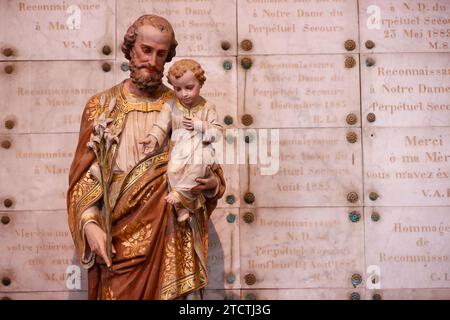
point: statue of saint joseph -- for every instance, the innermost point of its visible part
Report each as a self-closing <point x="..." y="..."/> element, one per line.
<point x="154" y="257"/>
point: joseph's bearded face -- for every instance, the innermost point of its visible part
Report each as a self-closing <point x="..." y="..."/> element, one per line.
<point x="148" y="57"/>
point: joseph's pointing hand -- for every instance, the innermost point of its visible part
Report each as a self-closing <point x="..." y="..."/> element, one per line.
<point x="96" y="239"/>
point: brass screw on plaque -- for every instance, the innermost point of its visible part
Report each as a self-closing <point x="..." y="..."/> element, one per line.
<point x="375" y="216"/>
<point x="230" y="278"/>
<point x="352" y="137"/>
<point x="354" y="216"/>
<point x="6" y="144"/>
<point x="106" y="50"/>
<point x="351" y="118"/>
<point x="249" y="198"/>
<point x="6" y="281"/>
<point x="350" y="45"/>
<point x="246" y="45"/>
<point x="373" y="196"/>
<point x="9" y="69"/>
<point x="250" y="296"/>
<point x="355" y="296"/>
<point x="226" y="45"/>
<point x="231" y="218"/>
<point x="247" y="119"/>
<point x="371" y="117"/>
<point x="356" y="279"/>
<point x="106" y="67"/>
<point x="250" y="279"/>
<point x="227" y="65"/>
<point x="9" y="124"/>
<point x="230" y="199"/>
<point x="7" y="202"/>
<point x="352" y="197"/>
<point x="124" y="66"/>
<point x="370" y="62"/>
<point x="350" y="62"/>
<point x="248" y="138"/>
<point x="5" y="219"/>
<point x="248" y="217"/>
<point x="376" y="296"/>
<point x="370" y="44"/>
<point x="228" y="120"/>
<point x="8" y="52"/>
<point x="230" y="296"/>
<point x="246" y="63"/>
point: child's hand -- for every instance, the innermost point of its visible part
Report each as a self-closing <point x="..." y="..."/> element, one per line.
<point x="149" y="144"/>
<point x="193" y="123"/>
<point x="188" y="123"/>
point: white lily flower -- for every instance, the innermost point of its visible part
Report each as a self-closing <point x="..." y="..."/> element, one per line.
<point x="102" y="101"/>
<point x="111" y="135"/>
<point x="101" y="123"/>
<point x="112" y="104"/>
<point x="94" y="141"/>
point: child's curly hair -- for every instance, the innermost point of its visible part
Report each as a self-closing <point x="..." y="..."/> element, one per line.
<point x="179" y="68"/>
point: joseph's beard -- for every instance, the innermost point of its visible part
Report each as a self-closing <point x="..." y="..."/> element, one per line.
<point x="144" y="81"/>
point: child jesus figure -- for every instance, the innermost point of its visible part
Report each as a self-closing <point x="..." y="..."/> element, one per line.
<point x="194" y="126"/>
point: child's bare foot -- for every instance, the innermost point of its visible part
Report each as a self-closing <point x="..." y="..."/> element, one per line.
<point x="170" y="198"/>
<point x="182" y="214"/>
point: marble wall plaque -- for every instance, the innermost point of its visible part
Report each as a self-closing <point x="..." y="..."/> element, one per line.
<point x="407" y="166"/>
<point x="404" y="26"/>
<point x="409" y="246"/>
<point x="301" y="248"/>
<point x="299" y="91"/>
<point x="223" y="256"/>
<point x="200" y="26"/>
<point x="35" y="170"/>
<point x="303" y="294"/>
<point x="49" y="96"/>
<point x="37" y="250"/>
<point x="292" y="26"/>
<point x="316" y="167"/>
<point x="57" y="30"/>
<point x="406" y="89"/>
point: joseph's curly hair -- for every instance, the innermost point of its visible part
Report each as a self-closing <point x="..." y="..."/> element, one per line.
<point x="179" y="68"/>
<point x="155" y="21"/>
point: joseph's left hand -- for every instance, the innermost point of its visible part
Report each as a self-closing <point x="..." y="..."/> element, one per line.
<point x="208" y="183"/>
